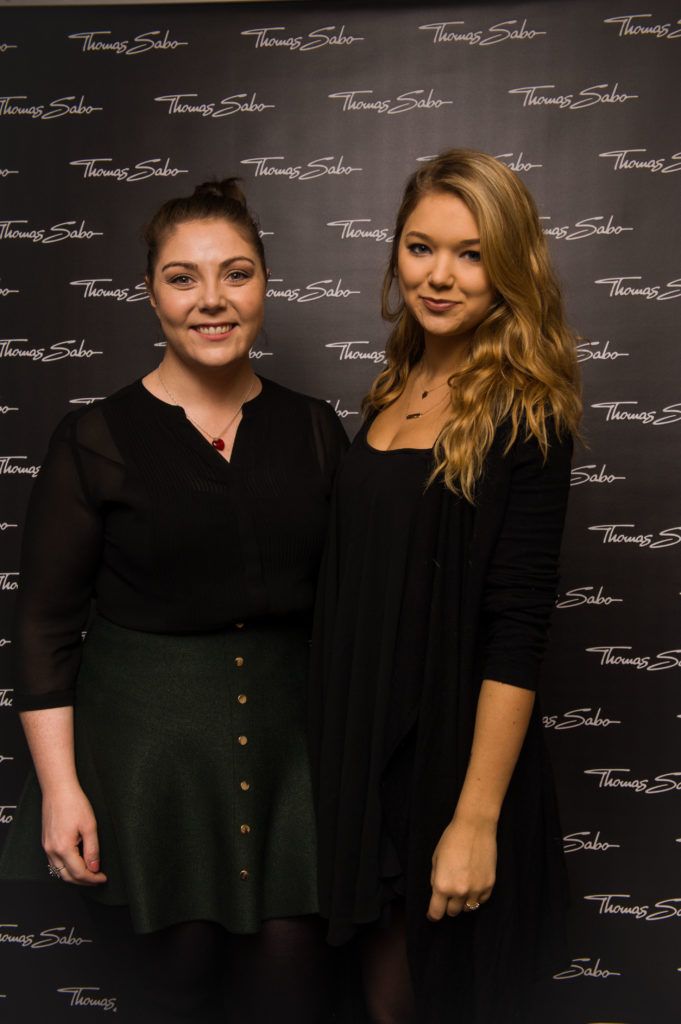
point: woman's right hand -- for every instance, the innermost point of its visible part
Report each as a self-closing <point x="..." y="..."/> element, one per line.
<point x="70" y="836"/>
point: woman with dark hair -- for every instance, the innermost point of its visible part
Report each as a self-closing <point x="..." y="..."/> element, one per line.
<point x="170" y="751"/>
<point x="438" y="838"/>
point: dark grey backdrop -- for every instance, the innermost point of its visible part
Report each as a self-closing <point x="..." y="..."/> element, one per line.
<point x="324" y="110"/>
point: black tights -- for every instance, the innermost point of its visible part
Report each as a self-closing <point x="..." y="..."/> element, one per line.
<point x="198" y="973"/>
<point x="385" y="971"/>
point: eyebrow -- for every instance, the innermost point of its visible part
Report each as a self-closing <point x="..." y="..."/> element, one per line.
<point x="194" y="266"/>
<point x="427" y="238"/>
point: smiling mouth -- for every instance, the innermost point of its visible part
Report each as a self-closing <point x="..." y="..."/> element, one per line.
<point x="438" y="305"/>
<point x="213" y="330"/>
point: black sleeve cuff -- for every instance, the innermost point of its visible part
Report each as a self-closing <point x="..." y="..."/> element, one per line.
<point x="38" y="702"/>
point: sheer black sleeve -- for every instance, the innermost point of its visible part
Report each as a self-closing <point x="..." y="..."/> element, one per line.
<point x="60" y="555"/>
<point x="522" y="579"/>
<point x="330" y="438"/>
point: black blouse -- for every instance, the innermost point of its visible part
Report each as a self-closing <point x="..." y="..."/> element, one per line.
<point x="134" y="508"/>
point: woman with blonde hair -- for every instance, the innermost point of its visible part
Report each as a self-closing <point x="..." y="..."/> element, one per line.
<point x="440" y="848"/>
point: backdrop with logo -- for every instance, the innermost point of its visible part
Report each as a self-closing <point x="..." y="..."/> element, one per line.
<point x="324" y="111"/>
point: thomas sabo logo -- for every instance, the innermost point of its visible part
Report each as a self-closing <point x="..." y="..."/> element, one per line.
<point x="615" y="903"/>
<point x="518" y="163"/>
<point x="363" y="100"/>
<point x="65" y="231"/>
<point x="586" y="967"/>
<point x="614" y="533"/>
<point x="21" y="348"/>
<point x="592" y="474"/>
<point x="610" y="657"/>
<point x="17" y="465"/>
<point x="154" y="167"/>
<point x="619" y="289"/>
<point x="598" y="351"/>
<point x="629" y="412"/>
<point x="636" y="26"/>
<point x="145" y="42"/>
<point x="326" y="289"/>
<point x="340" y="411"/>
<point x="588" y="227"/>
<point x="274" y="37"/>
<point x="579" y="718"/>
<point x="269" y="167"/>
<point x="590" y="96"/>
<point x="626" y="160"/>
<point x="10" y="934"/>
<point x="348" y="351"/>
<point x="621" y="778"/>
<point x="95" y="288"/>
<point x="503" y="32"/>
<point x="9" y="581"/>
<point x="591" y="842"/>
<point x="587" y="596"/>
<point x="86" y="996"/>
<point x="65" y="106"/>
<point x="238" y="103"/>
<point x="354" y="228"/>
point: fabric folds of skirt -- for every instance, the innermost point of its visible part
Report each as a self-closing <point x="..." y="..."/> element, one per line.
<point x="192" y="751"/>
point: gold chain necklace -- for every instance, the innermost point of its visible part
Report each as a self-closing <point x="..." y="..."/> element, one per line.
<point x="424" y="394"/>
<point x="429" y="391"/>
<point x="215" y="439"/>
<point x="418" y="415"/>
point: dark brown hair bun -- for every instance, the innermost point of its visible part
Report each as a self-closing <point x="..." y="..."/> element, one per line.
<point x="211" y="200"/>
<point x="228" y="189"/>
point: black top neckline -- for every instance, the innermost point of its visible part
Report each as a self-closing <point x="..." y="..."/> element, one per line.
<point x="199" y="440"/>
<point x="171" y="405"/>
<point x="392" y="451"/>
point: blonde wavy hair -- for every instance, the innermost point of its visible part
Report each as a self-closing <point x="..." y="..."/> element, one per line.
<point x="522" y="361"/>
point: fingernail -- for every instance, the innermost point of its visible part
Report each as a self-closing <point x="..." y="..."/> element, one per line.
<point x="94" y="865"/>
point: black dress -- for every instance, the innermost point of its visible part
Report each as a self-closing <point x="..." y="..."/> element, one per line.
<point x="189" y="690"/>
<point x="422" y="596"/>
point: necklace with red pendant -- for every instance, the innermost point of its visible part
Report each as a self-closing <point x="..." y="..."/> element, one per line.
<point x="215" y="439"/>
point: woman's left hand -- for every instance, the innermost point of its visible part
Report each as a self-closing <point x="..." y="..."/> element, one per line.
<point x="464" y="867"/>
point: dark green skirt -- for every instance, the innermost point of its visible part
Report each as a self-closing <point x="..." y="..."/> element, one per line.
<point x="192" y="751"/>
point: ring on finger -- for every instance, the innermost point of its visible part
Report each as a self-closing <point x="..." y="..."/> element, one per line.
<point x="54" y="871"/>
<point x="471" y="906"/>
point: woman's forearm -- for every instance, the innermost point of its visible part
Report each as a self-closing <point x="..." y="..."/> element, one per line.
<point x="501" y="723"/>
<point x="69" y="827"/>
<point x="464" y="861"/>
<point x="49" y="733"/>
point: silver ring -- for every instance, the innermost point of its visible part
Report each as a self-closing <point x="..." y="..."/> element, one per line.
<point x="54" y="871"/>
<point x="471" y="906"/>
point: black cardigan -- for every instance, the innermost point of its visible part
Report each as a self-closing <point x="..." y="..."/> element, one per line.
<point x="474" y="965"/>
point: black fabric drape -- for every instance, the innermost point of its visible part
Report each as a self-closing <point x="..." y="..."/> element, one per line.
<point x="493" y="590"/>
